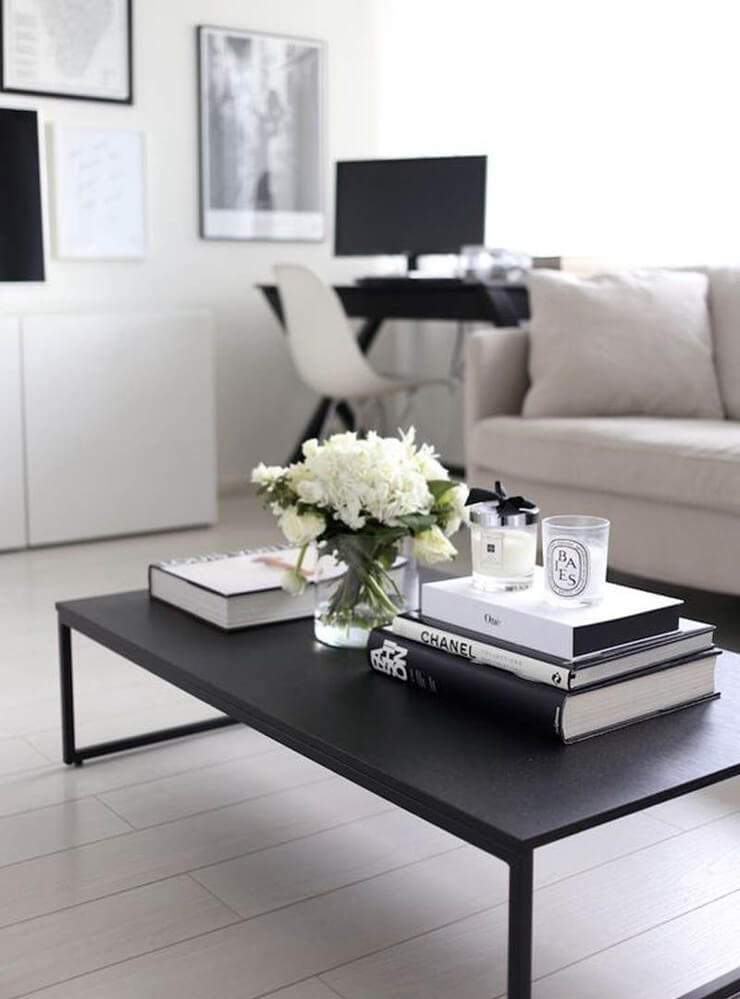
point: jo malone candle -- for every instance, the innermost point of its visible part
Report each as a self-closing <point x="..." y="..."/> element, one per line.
<point x="503" y="539"/>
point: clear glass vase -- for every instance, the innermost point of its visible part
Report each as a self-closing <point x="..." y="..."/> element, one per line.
<point x="362" y="583"/>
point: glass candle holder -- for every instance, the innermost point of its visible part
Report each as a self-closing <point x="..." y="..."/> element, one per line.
<point x="503" y="547"/>
<point x="574" y="550"/>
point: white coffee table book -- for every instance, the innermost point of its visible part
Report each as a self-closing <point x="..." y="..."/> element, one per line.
<point x="524" y="617"/>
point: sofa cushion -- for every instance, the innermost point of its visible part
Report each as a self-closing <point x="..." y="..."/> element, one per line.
<point x="621" y="344"/>
<point x="690" y="462"/>
<point x="724" y="305"/>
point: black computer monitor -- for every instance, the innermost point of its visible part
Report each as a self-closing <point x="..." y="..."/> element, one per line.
<point x="409" y="207"/>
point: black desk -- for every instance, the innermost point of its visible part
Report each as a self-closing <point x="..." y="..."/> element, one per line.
<point x="502" y="788"/>
<point x="499" y="303"/>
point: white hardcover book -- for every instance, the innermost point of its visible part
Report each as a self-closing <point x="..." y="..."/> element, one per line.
<point x="237" y="589"/>
<point x="524" y="617"/>
<point x="692" y="637"/>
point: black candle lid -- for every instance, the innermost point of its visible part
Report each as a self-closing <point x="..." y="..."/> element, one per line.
<point x="497" y="508"/>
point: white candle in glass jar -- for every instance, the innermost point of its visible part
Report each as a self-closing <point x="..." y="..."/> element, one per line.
<point x="503" y="557"/>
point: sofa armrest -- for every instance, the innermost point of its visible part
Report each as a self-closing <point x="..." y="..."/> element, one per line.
<point x="496" y="376"/>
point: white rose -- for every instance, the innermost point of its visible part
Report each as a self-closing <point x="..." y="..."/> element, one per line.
<point x="311" y="491"/>
<point x="300" y="528"/>
<point x="266" y="475"/>
<point x="456" y="511"/>
<point x="430" y="467"/>
<point x="432" y="546"/>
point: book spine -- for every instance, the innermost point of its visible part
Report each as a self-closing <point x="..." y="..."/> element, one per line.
<point x="445" y="675"/>
<point x="467" y="611"/>
<point x="526" y="667"/>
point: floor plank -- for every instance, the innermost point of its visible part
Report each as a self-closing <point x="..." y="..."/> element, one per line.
<point x="17" y="755"/>
<point x="55" y="784"/>
<point x="575" y="917"/>
<point x="311" y="988"/>
<point x="669" y="960"/>
<point x="702" y="806"/>
<point x="54" y="948"/>
<point x="272" y="951"/>
<point x="316" y="864"/>
<point x="213" y="787"/>
<point x="32" y="834"/>
<point x="89" y="872"/>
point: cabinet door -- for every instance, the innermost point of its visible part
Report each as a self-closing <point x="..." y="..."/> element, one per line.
<point x="12" y="488"/>
<point x="119" y="414"/>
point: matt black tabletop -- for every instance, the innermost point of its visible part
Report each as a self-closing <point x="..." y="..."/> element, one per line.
<point x="493" y="783"/>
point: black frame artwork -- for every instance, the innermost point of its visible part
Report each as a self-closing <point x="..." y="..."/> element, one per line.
<point x="21" y="219"/>
<point x="127" y="62"/>
<point x="262" y="150"/>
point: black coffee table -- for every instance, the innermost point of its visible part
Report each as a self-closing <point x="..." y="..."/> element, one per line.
<point x="503" y="789"/>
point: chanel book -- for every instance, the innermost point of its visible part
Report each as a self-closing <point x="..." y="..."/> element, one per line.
<point x="570" y="674"/>
<point x="525" y="618"/>
<point x="570" y="715"/>
<point x="235" y="589"/>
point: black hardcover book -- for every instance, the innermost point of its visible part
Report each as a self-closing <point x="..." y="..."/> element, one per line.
<point x="570" y="715"/>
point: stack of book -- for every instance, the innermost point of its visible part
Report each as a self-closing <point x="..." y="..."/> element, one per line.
<point x="577" y="672"/>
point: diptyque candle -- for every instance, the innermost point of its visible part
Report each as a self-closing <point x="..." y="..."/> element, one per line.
<point x="503" y="539"/>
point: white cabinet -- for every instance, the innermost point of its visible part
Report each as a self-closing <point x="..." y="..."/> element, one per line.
<point x="12" y="487"/>
<point x="119" y="423"/>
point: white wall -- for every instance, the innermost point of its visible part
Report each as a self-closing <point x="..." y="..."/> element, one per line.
<point x="609" y="125"/>
<point x="261" y="405"/>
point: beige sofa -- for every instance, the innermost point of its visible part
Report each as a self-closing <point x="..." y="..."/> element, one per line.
<point x="671" y="487"/>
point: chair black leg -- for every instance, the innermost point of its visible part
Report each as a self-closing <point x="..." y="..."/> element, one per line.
<point x="344" y="412"/>
<point x="521" y="889"/>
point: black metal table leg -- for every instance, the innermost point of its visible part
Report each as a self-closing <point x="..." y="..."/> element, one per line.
<point x="67" y="695"/>
<point x="519" y="972"/>
<point x="70" y="752"/>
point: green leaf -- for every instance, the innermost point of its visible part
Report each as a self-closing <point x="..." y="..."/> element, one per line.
<point x="417" y="522"/>
<point x="438" y="487"/>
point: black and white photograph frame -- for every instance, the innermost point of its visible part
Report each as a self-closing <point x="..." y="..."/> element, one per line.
<point x="64" y="48"/>
<point x="262" y="122"/>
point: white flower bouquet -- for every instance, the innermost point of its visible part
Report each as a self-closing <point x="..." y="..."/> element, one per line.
<point x="359" y="500"/>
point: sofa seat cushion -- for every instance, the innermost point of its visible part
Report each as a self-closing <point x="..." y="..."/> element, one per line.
<point x="689" y="462"/>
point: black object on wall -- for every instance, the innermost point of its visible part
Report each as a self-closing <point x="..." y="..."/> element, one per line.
<point x="21" y="232"/>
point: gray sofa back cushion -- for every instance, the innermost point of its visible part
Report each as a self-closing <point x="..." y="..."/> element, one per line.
<point x="637" y="342"/>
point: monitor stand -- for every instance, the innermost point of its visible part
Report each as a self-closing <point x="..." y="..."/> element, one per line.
<point x="412" y="264"/>
<point x="412" y="275"/>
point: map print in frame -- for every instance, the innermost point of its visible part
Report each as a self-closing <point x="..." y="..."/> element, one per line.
<point x="67" y="48"/>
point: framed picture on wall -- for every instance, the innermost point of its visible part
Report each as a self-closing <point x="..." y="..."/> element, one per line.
<point x="99" y="194"/>
<point x="261" y="130"/>
<point x="78" y="49"/>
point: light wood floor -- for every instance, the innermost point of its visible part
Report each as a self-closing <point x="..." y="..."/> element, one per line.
<point x="227" y="867"/>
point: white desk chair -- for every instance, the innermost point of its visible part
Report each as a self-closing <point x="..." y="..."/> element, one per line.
<point x="325" y="350"/>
